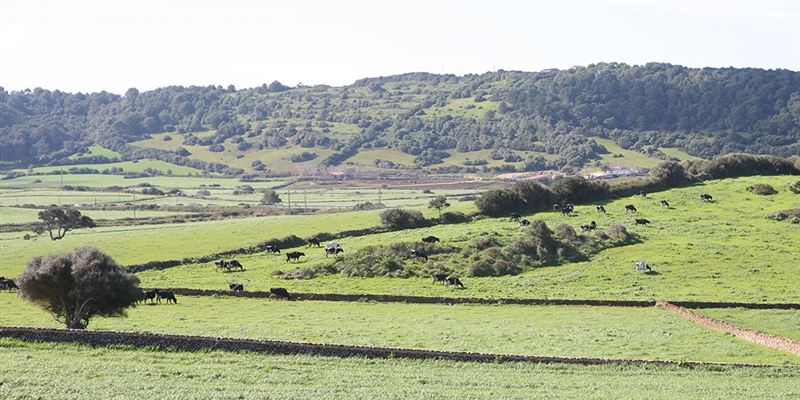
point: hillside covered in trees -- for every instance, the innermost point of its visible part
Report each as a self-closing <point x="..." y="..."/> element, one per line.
<point x="704" y="112"/>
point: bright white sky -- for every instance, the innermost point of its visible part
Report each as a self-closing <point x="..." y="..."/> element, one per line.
<point x="94" y="45"/>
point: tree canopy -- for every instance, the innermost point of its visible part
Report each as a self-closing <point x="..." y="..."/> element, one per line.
<point x="75" y="287"/>
<point x="58" y="221"/>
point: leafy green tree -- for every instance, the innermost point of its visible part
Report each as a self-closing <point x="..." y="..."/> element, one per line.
<point x="75" y="287"/>
<point x="669" y="173"/>
<point x="270" y="197"/>
<point x="439" y="202"/>
<point x="499" y="202"/>
<point x="61" y="221"/>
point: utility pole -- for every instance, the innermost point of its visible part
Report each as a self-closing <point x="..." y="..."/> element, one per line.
<point x="379" y="195"/>
<point x="289" y="200"/>
<point x="305" y="201"/>
<point x="134" y="208"/>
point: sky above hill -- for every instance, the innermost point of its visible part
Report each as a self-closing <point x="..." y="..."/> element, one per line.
<point x="95" y="45"/>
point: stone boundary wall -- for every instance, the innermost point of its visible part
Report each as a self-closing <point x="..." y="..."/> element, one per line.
<point x="754" y="336"/>
<point x="386" y="298"/>
<point x="194" y="343"/>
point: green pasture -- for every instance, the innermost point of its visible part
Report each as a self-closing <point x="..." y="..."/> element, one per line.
<point x="566" y="331"/>
<point x="784" y="323"/>
<point x="635" y="158"/>
<point x="47" y="370"/>
<point x="127" y="166"/>
<point x="96" y="151"/>
<point x="725" y="250"/>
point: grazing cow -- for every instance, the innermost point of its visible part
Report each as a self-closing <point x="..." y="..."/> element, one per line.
<point x="313" y="241"/>
<point x="514" y="217"/>
<point x="567" y="209"/>
<point x="641" y="221"/>
<point x="279" y="292"/>
<point x="333" y="250"/>
<point x="453" y="281"/>
<point x="643" y="193"/>
<point x="220" y="264"/>
<point x="164" y="294"/>
<point x="234" y="264"/>
<point x="294" y="255"/>
<point x="664" y="203"/>
<point x="149" y="295"/>
<point x="556" y="207"/>
<point x="237" y="287"/>
<point x="586" y="228"/>
<point x="524" y="222"/>
<point x="8" y="284"/>
<point x="430" y="239"/>
<point x="601" y="209"/>
<point x="630" y="207"/>
<point x="439" y="277"/>
<point x="272" y="249"/>
<point x="642" y="266"/>
<point x="419" y="254"/>
<point x="705" y="197"/>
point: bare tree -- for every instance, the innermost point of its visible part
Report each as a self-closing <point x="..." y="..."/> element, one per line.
<point x="77" y="286"/>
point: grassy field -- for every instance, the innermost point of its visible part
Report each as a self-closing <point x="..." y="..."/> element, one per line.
<point x="118" y="372"/>
<point x="725" y="250"/>
<point x="566" y="331"/>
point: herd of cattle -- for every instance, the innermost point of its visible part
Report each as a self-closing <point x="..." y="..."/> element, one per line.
<point x="333" y="248"/>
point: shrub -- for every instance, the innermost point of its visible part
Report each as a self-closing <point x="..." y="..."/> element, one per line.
<point x="454" y="217"/>
<point x="619" y="232"/>
<point x="794" y="187"/>
<point x="762" y="189"/>
<point x="400" y="218"/>
<point x="499" y="202"/>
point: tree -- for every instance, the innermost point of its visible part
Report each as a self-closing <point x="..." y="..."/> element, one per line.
<point x="669" y="173"/>
<point x="499" y="201"/>
<point x="61" y="220"/>
<point x="439" y="202"/>
<point x="270" y="197"/>
<point x="78" y="286"/>
<point x="400" y="218"/>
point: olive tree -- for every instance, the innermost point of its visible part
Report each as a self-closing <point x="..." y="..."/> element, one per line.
<point x="74" y="287"/>
<point x="61" y="220"/>
<point x="439" y="202"/>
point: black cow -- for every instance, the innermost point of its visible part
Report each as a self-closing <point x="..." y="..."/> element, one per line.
<point x="643" y="193"/>
<point x="419" y="254"/>
<point x="453" y="281"/>
<point x="164" y="294"/>
<point x="706" y="197"/>
<point x="601" y="209"/>
<point x="294" y="255"/>
<point x="430" y="239"/>
<point x="664" y="203"/>
<point x="567" y="209"/>
<point x="272" y="249"/>
<point x="333" y="251"/>
<point x="439" y="277"/>
<point x="8" y="284"/>
<point x="556" y="207"/>
<point x="642" y="221"/>
<point x="279" y="292"/>
<point x="221" y="264"/>
<point x="514" y="217"/>
<point x="524" y="222"/>
<point x="630" y="207"/>
<point x="235" y="264"/>
<point x="149" y="295"/>
<point x="592" y="226"/>
<point x="313" y="241"/>
<point x="237" y="287"/>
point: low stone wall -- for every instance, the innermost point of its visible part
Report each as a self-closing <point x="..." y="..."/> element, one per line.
<point x="194" y="343"/>
<point x="386" y="298"/>
<point x="775" y="342"/>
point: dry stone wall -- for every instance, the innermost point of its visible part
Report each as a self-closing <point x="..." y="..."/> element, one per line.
<point x="775" y="342"/>
<point x="194" y="343"/>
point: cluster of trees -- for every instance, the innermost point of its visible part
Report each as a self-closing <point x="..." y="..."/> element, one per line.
<point x="533" y="196"/>
<point x="705" y="112"/>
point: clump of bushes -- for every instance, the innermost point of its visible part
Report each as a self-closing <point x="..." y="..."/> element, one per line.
<point x="791" y="214"/>
<point x="794" y="187"/>
<point x="401" y="218"/>
<point x="762" y="189"/>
